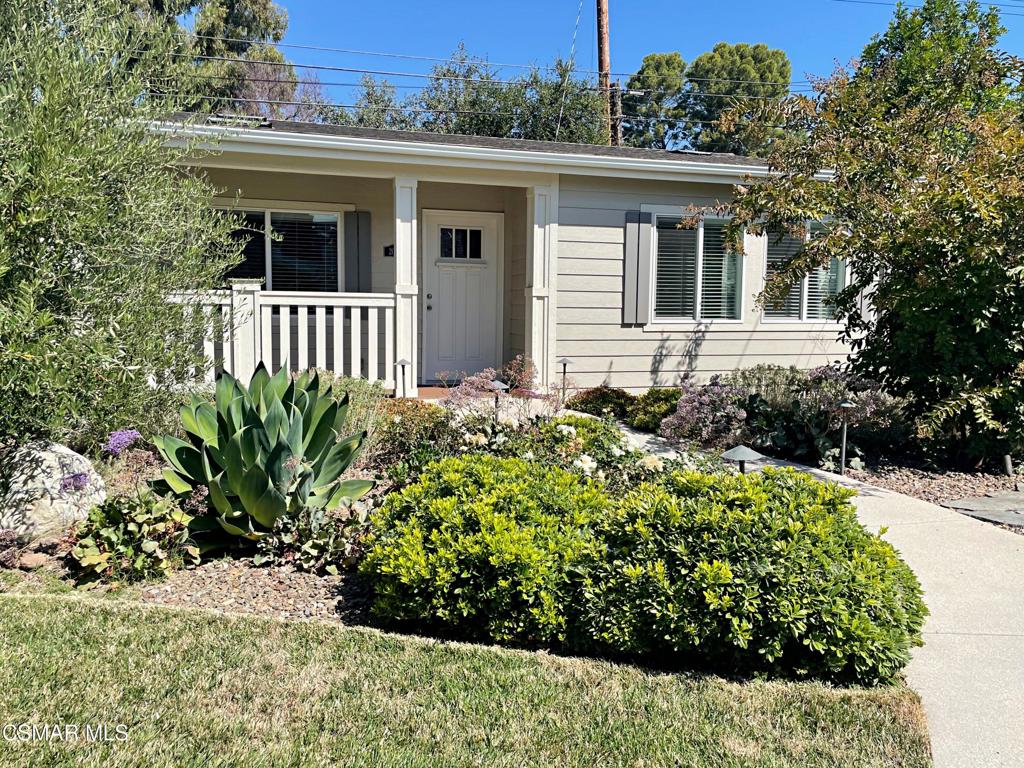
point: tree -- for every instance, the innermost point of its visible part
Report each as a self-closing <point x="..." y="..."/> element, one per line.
<point x="738" y="79"/>
<point x="98" y="226"/>
<point x="654" y="93"/>
<point x="912" y="161"/>
<point x="468" y="96"/>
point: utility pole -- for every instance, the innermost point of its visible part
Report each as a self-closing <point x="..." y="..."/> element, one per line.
<point x="617" y="114"/>
<point x="604" y="65"/>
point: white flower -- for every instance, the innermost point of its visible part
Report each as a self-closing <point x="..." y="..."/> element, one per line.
<point x="567" y="429"/>
<point x="586" y="464"/>
<point x="396" y="419"/>
<point x="500" y="438"/>
<point x="600" y="475"/>
<point x="528" y="456"/>
<point x="652" y="462"/>
<point x="616" y="451"/>
<point x="507" y="421"/>
<point x="478" y="438"/>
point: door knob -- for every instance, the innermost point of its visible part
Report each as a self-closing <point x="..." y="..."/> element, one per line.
<point x="429" y="307"/>
<point x="430" y="295"/>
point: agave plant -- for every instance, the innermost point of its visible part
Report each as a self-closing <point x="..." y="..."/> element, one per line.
<point x="263" y="452"/>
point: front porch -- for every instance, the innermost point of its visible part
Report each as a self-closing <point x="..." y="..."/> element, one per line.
<point x="405" y="280"/>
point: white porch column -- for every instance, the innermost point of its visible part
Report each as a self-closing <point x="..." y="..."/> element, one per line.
<point x="541" y="278"/>
<point x="245" y="328"/>
<point x="406" y="288"/>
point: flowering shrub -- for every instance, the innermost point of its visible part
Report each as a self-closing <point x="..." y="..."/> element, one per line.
<point x="708" y="416"/>
<point x="119" y="441"/>
<point x="649" y="409"/>
<point x="483" y="548"/>
<point x="601" y="401"/>
<point x="762" y="573"/>
<point x="409" y="434"/>
<point x="796" y="414"/>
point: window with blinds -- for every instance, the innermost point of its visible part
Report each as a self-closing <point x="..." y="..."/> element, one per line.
<point x="304" y="251"/>
<point x="812" y="298"/>
<point x="781" y="250"/>
<point x="720" y="276"/>
<point x="254" y="250"/>
<point x="676" y="272"/>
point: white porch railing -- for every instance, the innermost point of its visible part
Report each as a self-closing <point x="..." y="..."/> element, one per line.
<point x="351" y="334"/>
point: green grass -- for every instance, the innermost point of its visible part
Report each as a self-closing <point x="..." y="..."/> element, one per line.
<point x="199" y="689"/>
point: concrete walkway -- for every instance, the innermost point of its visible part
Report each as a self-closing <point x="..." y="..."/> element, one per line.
<point x="970" y="671"/>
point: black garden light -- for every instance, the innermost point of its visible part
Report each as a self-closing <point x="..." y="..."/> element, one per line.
<point x="844" y="406"/>
<point x="401" y="364"/>
<point x="741" y="454"/>
<point x="565" y="362"/>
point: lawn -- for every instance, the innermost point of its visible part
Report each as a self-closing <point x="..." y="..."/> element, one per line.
<point x="200" y="689"/>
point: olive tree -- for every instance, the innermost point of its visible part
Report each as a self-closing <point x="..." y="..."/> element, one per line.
<point x="912" y="162"/>
<point x="99" y="223"/>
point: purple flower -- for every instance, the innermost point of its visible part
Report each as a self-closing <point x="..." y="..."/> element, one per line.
<point x="75" y="481"/>
<point x="120" y="440"/>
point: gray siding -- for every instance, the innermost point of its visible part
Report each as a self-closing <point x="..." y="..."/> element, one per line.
<point x="591" y="254"/>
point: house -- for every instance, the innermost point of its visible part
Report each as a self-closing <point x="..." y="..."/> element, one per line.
<point x="401" y="256"/>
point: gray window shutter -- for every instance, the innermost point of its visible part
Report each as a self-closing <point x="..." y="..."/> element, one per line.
<point x="636" y="291"/>
<point x="358" y="257"/>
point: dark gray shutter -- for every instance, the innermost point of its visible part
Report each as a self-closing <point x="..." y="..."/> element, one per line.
<point x="636" y="274"/>
<point x="358" y="256"/>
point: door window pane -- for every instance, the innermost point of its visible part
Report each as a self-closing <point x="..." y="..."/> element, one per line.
<point x="460" y="244"/>
<point x="304" y="256"/>
<point x="446" y="242"/>
<point x="474" y="244"/>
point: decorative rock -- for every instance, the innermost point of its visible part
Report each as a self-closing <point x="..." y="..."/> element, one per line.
<point x="44" y="488"/>
<point x="30" y="561"/>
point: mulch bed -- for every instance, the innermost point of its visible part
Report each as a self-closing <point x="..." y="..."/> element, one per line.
<point x="237" y="586"/>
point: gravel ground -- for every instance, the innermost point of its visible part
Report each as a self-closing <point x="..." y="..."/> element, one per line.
<point x="933" y="486"/>
<point x="937" y="487"/>
<point x="237" y="586"/>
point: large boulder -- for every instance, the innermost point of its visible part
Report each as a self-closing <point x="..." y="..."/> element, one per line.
<point x="44" y="488"/>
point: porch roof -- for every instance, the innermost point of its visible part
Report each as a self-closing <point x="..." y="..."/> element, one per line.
<point x="550" y="156"/>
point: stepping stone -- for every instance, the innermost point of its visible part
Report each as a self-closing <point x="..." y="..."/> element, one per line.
<point x="1004" y="508"/>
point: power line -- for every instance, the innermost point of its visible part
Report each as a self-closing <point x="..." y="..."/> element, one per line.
<point x="893" y="5"/>
<point x="572" y="61"/>
<point x="333" y="105"/>
<point x="437" y="59"/>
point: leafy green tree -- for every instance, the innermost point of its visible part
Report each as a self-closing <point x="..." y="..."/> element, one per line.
<point x="737" y="79"/>
<point x="912" y="161"/>
<point x="98" y="224"/>
<point x="468" y="96"/>
<point x="654" y="94"/>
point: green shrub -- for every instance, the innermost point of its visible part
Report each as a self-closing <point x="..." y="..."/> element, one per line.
<point x="760" y="573"/>
<point x="796" y="414"/>
<point x="601" y="401"/>
<point x="483" y="548"/>
<point x="133" y="538"/>
<point x="365" y="400"/>
<point x="408" y="435"/>
<point x="649" y="409"/>
<point x="314" y="540"/>
<point x="262" y="452"/>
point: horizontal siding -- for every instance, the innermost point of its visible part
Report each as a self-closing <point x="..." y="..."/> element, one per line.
<point x="591" y="257"/>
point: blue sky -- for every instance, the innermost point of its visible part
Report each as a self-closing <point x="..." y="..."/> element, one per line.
<point x="816" y="34"/>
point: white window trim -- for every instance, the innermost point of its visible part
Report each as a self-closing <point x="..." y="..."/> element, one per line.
<point x="654" y="322"/>
<point x="268" y="207"/>
<point x="803" y="320"/>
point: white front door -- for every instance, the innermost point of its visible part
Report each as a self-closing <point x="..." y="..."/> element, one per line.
<point x="461" y="298"/>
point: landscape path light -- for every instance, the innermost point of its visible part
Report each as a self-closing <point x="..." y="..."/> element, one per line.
<point x="497" y="387"/>
<point x="844" y="405"/>
<point x="565" y="362"/>
<point x="402" y="364"/>
<point x="741" y="454"/>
